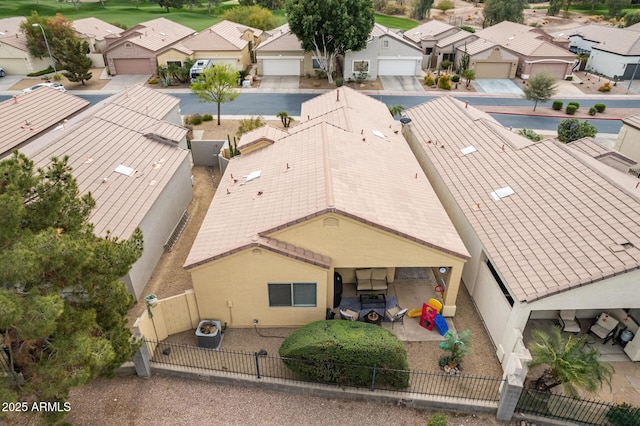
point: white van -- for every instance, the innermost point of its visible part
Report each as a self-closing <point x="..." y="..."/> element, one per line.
<point x="199" y="67"/>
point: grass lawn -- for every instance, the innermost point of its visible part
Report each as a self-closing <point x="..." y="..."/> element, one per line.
<point x="395" y="22"/>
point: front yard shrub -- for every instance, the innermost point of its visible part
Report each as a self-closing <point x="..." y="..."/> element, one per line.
<point x="444" y="65"/>
<point x="600" y="107"/>
<point x="339" y="82"/>
<point x="445" y="82"/>
<point x="530" y="134"/>
<point x="574" y="103"/>
<point x="344" y="352"/>
<point x="455" y="78"/>
<point x="41" y="72"/>
<point x="207" y="117"/>
<point x="605" y="88"/>
<point x="467" y="28"/>
<point x="623" y="414"/>
<point x="249" y="124"/>
<point x="592" y="111"/>
<point x="571" y="109"/>
<point x="572" y="129"/>
<point x="193" y="119"/>
<point x="438" y="419"/>
<point x="428" y="80"/>
<point x="557" y="105"/>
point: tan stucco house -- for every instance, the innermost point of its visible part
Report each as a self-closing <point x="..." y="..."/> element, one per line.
<point x="549" y="227"/>
<point x="337" y="192"/>
<point x="426" y="35"/>
<point x="489" y="59"/>
<point x="282" y="54"/>
<point x="136" y="50"/>
<point x="224" y="43"/>
<point x="628" y="142"/>
<point x="97" y="33"/>
<point x="14" y="54"/>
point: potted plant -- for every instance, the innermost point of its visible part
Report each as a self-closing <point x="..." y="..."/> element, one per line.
<point x="150" y="300"/>
<point x="456" y="346"/>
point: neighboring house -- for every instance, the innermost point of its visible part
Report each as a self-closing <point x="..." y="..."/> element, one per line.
<point x="447" y="48"/>
<point x="386" y="53"/>
<point x="295" y="207"/>
<point x="488" y="59"/>
<point x="224" y="43"/>
<point x="611" y="158"/>
<point x="426" y="35"/>
<point x="130" y="154"/>
<point x="533" y="47"/>
<point x="282" y="54"/>
<point x="613" y="52"/>
<point x="137" y="49"/>
<point x="14" y="54"/>
<point x="29" y="115"/>
<point x="548" y="227"/>
<point x="96" y="32"/>
<point x="628" y="142"/>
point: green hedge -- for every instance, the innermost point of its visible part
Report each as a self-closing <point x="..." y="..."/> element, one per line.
<point x="329" y="351"/>
<point x="600" y="107"/>
<point x="39" y="73"/>
<point x="557" y="105"/>
<point x="577" y="105"/>
<point x="571" y="109"/>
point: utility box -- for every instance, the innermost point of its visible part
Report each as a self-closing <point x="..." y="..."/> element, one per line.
<point x="209" y="334"/>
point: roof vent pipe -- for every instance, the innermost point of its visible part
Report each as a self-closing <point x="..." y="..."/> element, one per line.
<point x="337" y="96"/>
<point x="466" y="104"/>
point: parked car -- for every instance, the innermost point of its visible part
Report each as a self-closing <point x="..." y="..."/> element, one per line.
<point x="2" y="73"/>
<point x="56" y="86"/>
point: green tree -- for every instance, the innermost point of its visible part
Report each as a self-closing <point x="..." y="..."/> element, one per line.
<point x="211" y="4"/>
<point x="62" y="306"/>
<point x="616" y="6"/>
<point x="55" y="28"/>
<point x="253" y="16"/>
<point x="329" y="28"/>
<point x="444" y="5"/>
<point x="216" y="84"/>
<point x="631" y="18"/>
<point x="396" y="109"/>
<point x="469" y="75"/>
<point x="72" y="56"/>
<point x="192" y="3"/>
<point x="496" y="11"/>
<point x="456" y="346"/>
<point x="176" y="4"/>
<point x="569" y="362"/>
<point x="572" y="129"/>
<point x="421" y="9"/>
<point x="541" y="87"/>
<point x="285" y="118"/>
<point x="555" y="6"/>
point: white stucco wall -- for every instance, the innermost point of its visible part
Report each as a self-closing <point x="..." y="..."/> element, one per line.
<point x="375" y="50"/>
<point x="610" y="64"/>
<point x="580" y="43"/>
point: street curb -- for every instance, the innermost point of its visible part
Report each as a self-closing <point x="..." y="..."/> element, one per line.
<point x="590" y="117"/>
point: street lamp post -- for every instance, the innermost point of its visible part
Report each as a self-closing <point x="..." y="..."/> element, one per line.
<point x="55" y="71"/>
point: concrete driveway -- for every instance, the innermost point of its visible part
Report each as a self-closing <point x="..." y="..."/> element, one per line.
<point x="280" y="82"/>
<point x="401" y="83"/>
<point x="497" y="86"/>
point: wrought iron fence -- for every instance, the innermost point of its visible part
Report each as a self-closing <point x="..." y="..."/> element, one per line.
<point x="372" y="378"/>
<point x="578" y="411"/>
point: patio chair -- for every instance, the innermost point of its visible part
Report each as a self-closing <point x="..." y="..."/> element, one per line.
<point x="604" y="327"/>
<point x="569" y="322"/>
<point x="396" y="314"/>
<point x="349" y="315"/>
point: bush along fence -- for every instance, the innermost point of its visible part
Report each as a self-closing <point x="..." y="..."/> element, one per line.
<point x="261" y="365"/>
<point x="576" y="411"/>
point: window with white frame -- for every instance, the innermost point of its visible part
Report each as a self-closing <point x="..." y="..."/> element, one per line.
<point x="292" y="294"/>
<point x="360" y="66"/>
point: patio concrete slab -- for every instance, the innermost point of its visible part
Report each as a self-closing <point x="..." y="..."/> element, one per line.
<point x="400" y="83"/>
<point x="496" y="86"/>
<point x="280" y="82"/>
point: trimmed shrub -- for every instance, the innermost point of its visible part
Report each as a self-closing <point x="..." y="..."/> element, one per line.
<point x="339" y="82"/>
<point x="600" y="107"/>
<point x="455" y="78"/>
<point x="41" y="72"/>
<point x="557" y="105"/>
<point x="438" y="419"/>
<point x="207" y="117"/>
<point x="444" y="65"/>
<point x="331" y="352"/>
<point x="592" y="111"/>
<point x="467" y="28"/>
<point x="605" y="88"/>
<point x="428" y="80"/>
<point x="445" y="82"/>
<point x="571" y="109"/>
<point x="530" y="134"/>
<point x="577" y="105"/>
<point x="193" y="119"/>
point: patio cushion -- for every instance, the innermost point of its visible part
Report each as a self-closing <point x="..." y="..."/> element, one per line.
<point x="364" y="285"/>
<point x="363" y="274"/>
<point x="379" y="274"/>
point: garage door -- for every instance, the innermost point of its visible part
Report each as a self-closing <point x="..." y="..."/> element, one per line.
<point x="556" y="70"/>
<point x="15" y="66"/>
<point x="493" y="69"/>
<point x="396" y="67"/>
<point x="281" y="67"/>
<point x="133" y="66"/>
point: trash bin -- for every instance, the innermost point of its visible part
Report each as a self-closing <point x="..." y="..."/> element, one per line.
<point x="209" y="334"/>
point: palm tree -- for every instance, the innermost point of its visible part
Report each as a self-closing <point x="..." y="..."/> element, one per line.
<point x="569" y="362"/>
<point x="396" y="110"/>
<point x="285" y="118"/>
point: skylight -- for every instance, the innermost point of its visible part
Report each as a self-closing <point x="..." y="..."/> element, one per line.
<point x="378" y="133"/>
<point x="468" y="150"/>
<point x="253" y="175"/>
<point x="127" y="171"/>
<point x="501" y="193"/>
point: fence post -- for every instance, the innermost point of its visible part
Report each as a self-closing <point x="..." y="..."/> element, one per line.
<point x="255" y="355"/>
<point x="509" y="396"/>
<point x="373" y="379"/>
<point x="142" y="360"/>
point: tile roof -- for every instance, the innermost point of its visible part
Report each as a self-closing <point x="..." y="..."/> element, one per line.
<point x="282" y="39"/>
<point x="109" y="136"/>
<point x="154" y="35"/>
<point x="522" y="39"/>
<point x="11" y="34"/>
<point x="566" y="222"/>
<point x="598" y="151"/>
<point x="225" y="35"/>
<point x="379" y="30"/>
<point x="427" y="31"/>
<point x="477" y="46"/>
<point x="621" y="41"/>
<point x="30" y="114"/>
<point x="96" y="27"/>
<point x="455" y="38"/>
<point x="632" y="120"/>
<point x="323" y="165"/>
<point x="265" y="133"/>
